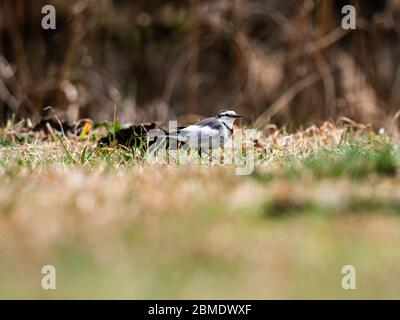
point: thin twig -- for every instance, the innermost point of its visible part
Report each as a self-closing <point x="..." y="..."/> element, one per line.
<point x="288" y="96"/>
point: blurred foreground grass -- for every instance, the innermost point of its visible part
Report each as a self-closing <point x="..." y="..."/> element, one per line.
<point x="115" y="227"/>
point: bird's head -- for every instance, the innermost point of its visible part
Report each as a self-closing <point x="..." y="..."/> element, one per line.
<point x="228" y="114"/>
<point x="228" y="117"/>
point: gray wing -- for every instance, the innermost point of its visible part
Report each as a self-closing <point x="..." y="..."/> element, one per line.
<point x="209" y="127"/>
<point x="204" y="129"/>
<point x="211" y="122"/>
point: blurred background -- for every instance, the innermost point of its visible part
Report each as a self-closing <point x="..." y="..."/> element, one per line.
<point x="286" y="62"/>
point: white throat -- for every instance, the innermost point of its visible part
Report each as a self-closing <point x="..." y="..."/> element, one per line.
<point x="228" y="121"/>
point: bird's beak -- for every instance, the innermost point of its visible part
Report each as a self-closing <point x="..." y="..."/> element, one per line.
<point x="238" y="116"/>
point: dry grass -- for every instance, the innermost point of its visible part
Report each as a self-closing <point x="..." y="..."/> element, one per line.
<point x="116" y="227"/>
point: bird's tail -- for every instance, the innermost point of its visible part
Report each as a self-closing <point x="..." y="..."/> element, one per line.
<point x="140" y="136"/>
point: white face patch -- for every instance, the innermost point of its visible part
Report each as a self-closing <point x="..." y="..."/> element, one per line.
<point x="229" y="113"/>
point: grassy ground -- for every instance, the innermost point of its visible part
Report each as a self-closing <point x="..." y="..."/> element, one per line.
<point x="117" y="227"/>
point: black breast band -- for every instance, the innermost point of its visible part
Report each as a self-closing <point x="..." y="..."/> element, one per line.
<point x="230" y="129"/>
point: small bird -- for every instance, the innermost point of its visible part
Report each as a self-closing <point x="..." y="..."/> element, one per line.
<point x="209" y="133"/>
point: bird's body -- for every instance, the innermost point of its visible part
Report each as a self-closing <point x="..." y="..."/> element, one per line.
<point x="209" y="133"/>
